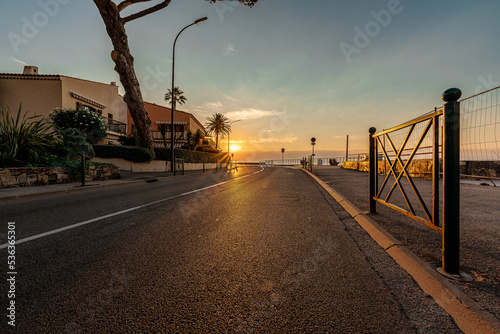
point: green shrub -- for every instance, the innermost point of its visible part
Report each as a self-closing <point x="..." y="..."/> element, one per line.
<point x="208" y="149"/>
<point x="75" y="142"/>
<point x="140" y="154"/>
<point x="89" y="122"/>
<point x="24" y="140"/>
<point x="130" y="140"/>
<point x="131" y="153"/>
<point x="189" y="156"/>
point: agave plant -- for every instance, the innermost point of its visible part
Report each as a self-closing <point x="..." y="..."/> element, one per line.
<point x="24" y="139"/>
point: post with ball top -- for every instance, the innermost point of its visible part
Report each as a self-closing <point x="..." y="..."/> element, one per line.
<point x="451" y="181"/>
<point x="313" y="143"/>
<point x="373" y="170"/>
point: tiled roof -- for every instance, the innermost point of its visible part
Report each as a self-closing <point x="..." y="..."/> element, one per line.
<point x="30" y="76"/>
<point x="43" y="77"/>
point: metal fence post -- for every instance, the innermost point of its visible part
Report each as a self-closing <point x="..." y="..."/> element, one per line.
<point x="451" y="182"/>
<point x="373" y="170"/>
<point x="436" y="168"/>
<point x="173" y="160"/>
<point x="83" y="169"/>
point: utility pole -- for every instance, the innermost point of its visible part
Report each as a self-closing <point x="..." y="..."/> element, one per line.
<point x="347" y="149"/>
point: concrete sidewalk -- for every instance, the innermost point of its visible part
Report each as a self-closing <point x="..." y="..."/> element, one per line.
<point x="12" y="194"/>
<point x="480" y="231"/>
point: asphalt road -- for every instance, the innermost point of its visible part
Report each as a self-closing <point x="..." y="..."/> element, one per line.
<point x="264" y="251"/>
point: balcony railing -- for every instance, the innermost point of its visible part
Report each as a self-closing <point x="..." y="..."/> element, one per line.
<point x="116" y="126"/>
<point x="158" y="136"/>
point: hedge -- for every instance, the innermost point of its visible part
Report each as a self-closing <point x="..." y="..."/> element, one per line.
<point x="140" y="154"/>
<point x="208" y="149"/>
<point x="189" y="156"/>
<point x="131" y="153"/>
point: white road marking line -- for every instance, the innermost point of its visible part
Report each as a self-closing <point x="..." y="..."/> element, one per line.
<point x="257" y="172"/>
<point x="69" y="227"/>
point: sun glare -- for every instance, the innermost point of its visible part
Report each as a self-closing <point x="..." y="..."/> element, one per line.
<point x="234" y="148"/>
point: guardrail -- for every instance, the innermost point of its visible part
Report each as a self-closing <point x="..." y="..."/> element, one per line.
<point x="479" y="143"/>
<point x="449" y="118"/>
<point x="116" y="126"/>
<point x="283" y="162"/>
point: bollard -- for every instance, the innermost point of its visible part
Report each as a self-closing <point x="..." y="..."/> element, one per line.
<point x="451" y="181"/>
<point x="373" y="170"/>
<point x="83" y="169"/>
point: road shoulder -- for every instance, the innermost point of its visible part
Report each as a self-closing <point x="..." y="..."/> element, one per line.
<point x="469" y="316"/>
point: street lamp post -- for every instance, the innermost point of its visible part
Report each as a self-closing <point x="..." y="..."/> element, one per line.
<point x="228" y="147"/>
<point x="172" y="133"/>
<point x="313" y="142"/>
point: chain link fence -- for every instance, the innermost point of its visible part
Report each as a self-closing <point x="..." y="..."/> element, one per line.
<point x="479" y="137"/>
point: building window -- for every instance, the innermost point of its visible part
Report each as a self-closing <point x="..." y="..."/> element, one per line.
<point x="110" y="116"/>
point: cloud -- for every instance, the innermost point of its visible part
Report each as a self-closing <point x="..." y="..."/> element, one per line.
<point x="230" y="49"/>
<point x="230" y="98"/>
<point x="214" y="105"/>
<point x="271" y="139"/>
<point x="252" y="114"/>
<point x="19" y="61"/>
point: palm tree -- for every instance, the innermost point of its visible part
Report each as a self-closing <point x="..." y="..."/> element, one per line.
<point x="218" y="124"/>
<point x="179" y="98"/>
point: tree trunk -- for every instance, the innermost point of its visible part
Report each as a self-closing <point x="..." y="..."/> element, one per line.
<point x="124" y="66"/>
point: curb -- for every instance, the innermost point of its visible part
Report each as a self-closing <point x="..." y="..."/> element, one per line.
<point x="468" y="315"/>
<point x="88" y="187"/>
<point x="65" y="190"/>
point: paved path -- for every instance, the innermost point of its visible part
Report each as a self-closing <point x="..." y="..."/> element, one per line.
<point x="480" y="229"/>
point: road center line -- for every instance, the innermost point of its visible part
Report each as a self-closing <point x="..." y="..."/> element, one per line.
<point x="93" y="220"/>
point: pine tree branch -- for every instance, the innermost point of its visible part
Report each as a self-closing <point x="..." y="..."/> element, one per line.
<point x="146" y="11"/>
<point x="125" y="4"/>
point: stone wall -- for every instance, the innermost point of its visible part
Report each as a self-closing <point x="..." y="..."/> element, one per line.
<point x="417" y="168"/>
<point x="423" y="168"/>
<point x="102" y="172"/>
<point x="38" y="176"/>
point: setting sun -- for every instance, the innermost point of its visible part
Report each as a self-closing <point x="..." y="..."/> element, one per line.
<point x="234" y="148"/>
